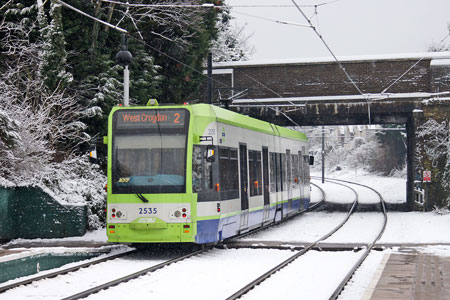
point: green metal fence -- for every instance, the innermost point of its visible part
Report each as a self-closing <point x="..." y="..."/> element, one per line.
<point x="29" y="212"/>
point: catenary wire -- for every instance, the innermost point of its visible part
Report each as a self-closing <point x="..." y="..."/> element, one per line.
<point x="91" y="17"/>
<point x="329" y="49"/>
<point x="211" y="5"/>
<point x="415" y="64"/>
<point x="270" y="20"/>
<point x="201" y="73"/>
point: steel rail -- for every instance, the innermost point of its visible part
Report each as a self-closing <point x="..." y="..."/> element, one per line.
<point x="280" y="266"/>
<point x="64" y="271"/>
<point x="352" y="271"/>
<point x="137" y="274"/>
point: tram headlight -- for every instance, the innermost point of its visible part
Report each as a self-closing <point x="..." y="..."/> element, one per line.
<point x="181" y="212"/>
<point x="117" y="213"/>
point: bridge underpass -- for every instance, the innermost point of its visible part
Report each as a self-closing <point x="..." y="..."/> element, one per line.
<point x="405" y="90"/>
<point x="342" y="112"/>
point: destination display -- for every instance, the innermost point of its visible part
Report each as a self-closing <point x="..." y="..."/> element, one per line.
<point x="150" y="118"/>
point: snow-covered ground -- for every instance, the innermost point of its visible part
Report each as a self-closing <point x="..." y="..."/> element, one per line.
<point x="392" y="189"/>
<point x="219" y="273"/>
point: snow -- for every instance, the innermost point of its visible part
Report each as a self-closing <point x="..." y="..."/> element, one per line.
<point x="392" y="189"/>
<point x="306" y="228"/>
<point x="435" y="56"/>
<point x="440" y="62"/>
<point x="366" y="277"/>
<point x="75" y="282"/>
<point x="335" y="192"/>
<point x="373" y="97"/>
<point x="97" y="236"/>
<point x="417" y="228"/>
<point x="300" y="279"/>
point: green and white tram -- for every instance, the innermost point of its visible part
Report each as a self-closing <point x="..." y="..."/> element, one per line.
<point x="199" y="174"/>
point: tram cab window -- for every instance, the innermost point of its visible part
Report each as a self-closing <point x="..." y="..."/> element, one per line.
<point x="149" y="151"/>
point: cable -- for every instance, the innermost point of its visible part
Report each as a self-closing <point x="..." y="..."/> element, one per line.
<point x="270" y="20"/>
<point x="201" y="73"/>
<point x="415" y="64"/>
<point x="329" y="49"/>
<point x="91" y="17"/>
<point x="205" y="5"/>
<point x="173" y="58"/>
<point x="211" y="5"/>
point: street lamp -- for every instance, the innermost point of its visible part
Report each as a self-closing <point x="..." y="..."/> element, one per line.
<point x="123" y="58"/>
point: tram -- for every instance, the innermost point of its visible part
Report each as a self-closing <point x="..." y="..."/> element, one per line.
<point x="199" y="174"/>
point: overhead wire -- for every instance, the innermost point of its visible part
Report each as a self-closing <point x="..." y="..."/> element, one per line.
<point x="91" y="17"/>
<point x="211" y="5"/>
<point x="201" y="73"/>
<point x="410" y="68"/>
<point x="329" y="49"/>
<point x="270" y="20"/>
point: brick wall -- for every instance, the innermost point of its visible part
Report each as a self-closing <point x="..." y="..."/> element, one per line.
<point x="328" y="79"/>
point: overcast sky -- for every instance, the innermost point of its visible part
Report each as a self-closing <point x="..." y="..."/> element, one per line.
<point x="350" y="27"/>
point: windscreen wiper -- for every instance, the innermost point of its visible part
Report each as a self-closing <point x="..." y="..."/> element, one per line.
<point x="143" y="199"/>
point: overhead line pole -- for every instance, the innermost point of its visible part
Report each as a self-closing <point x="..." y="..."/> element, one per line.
<point x="210" y="78"/>
<point x="323" y="154"/>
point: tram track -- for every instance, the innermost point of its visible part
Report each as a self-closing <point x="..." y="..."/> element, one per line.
<point x="112" y="262"/>
<point x="366" y="248"/>
<point x="292" y="258"/>
<point x="162" y="265"/>
<point x="134" y="275"/>
<point x="64" y="271"/>
<point x="369" y="247"/>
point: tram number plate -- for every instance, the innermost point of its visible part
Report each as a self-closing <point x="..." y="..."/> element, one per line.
<point x="147" y="211"/>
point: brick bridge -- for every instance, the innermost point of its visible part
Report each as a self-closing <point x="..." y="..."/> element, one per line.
<point x="386" y="89"/>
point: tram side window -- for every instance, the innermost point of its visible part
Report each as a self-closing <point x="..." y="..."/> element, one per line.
<point x="254" y="161"/>
<point x="301" y="177"/>
<point x="283" y="173"/>
<point x="289" y="169"/>
<point x="229" y="176"/>
<point x="295" y="173"/>
<point x="201" y="170"/>
<point x="273" y="177"/>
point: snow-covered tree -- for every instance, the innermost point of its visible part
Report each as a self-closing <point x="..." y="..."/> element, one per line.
<point x="40" y="127"/>
<point x="433" y="154"/>
<point x="232" y="42"/>
<point x="442" y="45"/>
<point x="368" y="152"/>
<point x="53" y="56"/>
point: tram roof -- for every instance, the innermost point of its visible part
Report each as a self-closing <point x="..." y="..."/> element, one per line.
<point x="235" y="119"/>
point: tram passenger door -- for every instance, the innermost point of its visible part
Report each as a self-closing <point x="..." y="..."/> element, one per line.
<point x="266" y="186"/>
<point x="302" y="178"/>
<point x="243" y="163"/>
